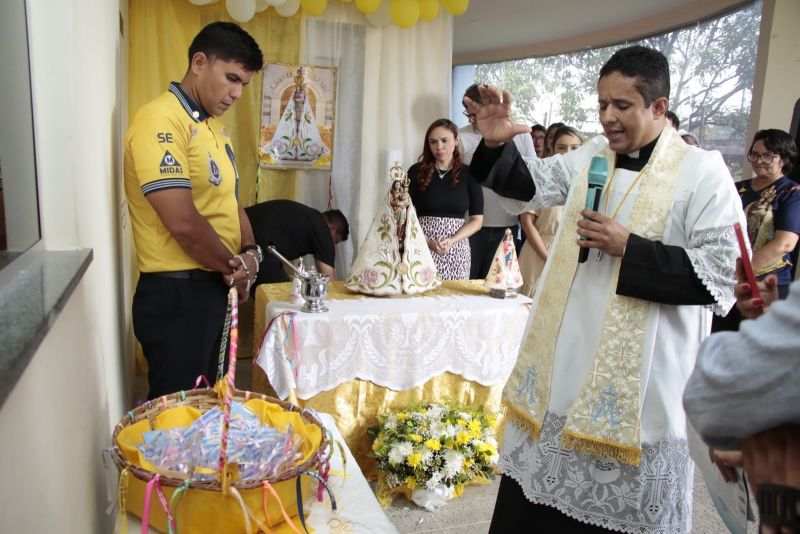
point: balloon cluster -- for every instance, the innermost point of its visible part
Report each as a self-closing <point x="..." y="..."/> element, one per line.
<point x="403" y="13"/>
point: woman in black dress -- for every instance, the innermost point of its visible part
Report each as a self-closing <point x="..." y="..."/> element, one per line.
<point x="443" y="191"/>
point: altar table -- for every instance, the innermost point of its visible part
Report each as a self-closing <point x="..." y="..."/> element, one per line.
<point x="374" y="355"/>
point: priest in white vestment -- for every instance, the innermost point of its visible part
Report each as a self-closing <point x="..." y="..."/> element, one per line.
<point x="596" y="437"/>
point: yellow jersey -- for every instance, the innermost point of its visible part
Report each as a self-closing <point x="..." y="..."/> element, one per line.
<point x="173" y="143"/>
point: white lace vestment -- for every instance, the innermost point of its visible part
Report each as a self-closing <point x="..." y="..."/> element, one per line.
<point x="656" y="496"/>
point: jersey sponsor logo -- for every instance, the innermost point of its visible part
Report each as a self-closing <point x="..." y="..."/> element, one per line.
<point x="164" y="137"/>
<point x="169" y="165"/>
<point x="214" y="176"/>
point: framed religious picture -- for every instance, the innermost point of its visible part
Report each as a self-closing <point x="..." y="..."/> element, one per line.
<point x="298" y="109"/>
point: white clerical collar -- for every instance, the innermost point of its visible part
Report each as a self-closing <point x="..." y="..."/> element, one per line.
<point x="633" y="155"/>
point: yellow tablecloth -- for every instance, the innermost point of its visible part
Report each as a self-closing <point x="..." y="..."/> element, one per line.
<point x="357" y="403"/>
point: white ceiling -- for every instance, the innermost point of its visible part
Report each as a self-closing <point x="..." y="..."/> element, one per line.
<point x="495" y="30"/>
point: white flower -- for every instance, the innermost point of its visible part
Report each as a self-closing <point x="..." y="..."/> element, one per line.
<point x="491" y="441"/>
<point x="465" y="416"/>
<point x="391" y="422"/>
<point x="435" y="480"/>
<point x="400" y="452"/>
<point x="453" y="463"/>
<point x="427" y="456"/>
<point x="450" y="431"/>
<point x="435" y="412"/>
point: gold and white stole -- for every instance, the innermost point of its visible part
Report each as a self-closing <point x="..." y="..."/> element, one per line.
<point x="605" y="418"/>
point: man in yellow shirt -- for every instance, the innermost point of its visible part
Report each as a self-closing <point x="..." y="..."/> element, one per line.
<point x="192" y="238"/>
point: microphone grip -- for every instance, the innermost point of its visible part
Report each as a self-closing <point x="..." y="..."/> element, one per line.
<point x="592" y="203"/>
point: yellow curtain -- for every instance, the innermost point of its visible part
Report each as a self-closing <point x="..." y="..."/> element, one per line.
<point x="160" y="34"/>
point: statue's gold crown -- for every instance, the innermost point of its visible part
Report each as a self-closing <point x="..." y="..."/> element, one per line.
<point x="396" y="173"/>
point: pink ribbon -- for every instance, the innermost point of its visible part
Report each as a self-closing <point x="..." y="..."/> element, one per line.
<point x="148" y="495"/>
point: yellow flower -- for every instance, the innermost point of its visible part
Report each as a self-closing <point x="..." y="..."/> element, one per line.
<point x="416" y="438"/>
<point x="463" y="438"/>
<point x="433" y="444"/>
<point x="492" y="422"/>
<point x="414" y="460"/>
<point x="402" y="416"/>
<point x="475" y="428"/>
<point x="467" y="464"/>
<point x="411" y="482"/>
<point x="376" y="446"/>
<point x="462" y="422"/>
<point x="486" y="448"/>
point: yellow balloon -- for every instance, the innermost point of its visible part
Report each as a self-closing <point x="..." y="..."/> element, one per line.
<point x="345" y="1"/>
<point x="428" y="9"/>
<point x="314" y="7"/>
<point x="456" y="7"/>
<point x="405" y="13"/>
<point x="368" y="6"/>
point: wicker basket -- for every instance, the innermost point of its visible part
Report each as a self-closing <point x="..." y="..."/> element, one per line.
<point x="221" y="506"/>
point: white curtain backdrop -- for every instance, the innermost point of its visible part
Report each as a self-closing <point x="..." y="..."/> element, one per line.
<point x="391" y="84"/>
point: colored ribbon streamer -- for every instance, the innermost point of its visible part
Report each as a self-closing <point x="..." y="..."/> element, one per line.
<point x="122" y="493"/>
<point x="174" y="502"/>
<point x="229" y="389"/>
<point x="148" y="496"/>
<point x="268" y="488"/>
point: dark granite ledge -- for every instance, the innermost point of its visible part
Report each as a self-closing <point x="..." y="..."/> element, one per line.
<point x="31" y="297"/>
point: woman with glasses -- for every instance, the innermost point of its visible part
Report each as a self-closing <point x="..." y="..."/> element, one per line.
<point x="771" y="204"/>
<point x="442" y="191"/>
<point x="540" y="225"/>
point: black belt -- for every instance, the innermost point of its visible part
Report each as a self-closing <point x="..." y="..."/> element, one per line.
<point x="189" y="274"/>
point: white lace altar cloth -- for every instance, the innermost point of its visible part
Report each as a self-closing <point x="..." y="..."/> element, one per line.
<point x="397" y="343"/>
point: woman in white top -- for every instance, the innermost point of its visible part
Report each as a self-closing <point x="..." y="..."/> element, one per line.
<point x="540" y="225"/>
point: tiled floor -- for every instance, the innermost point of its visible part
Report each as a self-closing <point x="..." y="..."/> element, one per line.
<point x="471" y="513"/>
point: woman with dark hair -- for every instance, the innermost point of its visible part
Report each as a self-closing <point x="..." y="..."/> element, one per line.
<point x="548" y="138"/>
<point x="771" y="204"/>
<point x="540" y="225"/>
<point x="442" y="191"/>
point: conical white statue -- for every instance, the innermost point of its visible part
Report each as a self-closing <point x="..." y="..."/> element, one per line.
<point x="504" y="277"/>
<point x="394" y="257"/>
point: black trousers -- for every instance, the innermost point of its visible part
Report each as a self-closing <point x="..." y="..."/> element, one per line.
<point x="179" y="325"/>
<point x="483" y="244"/>
<point x="514" y="513"/>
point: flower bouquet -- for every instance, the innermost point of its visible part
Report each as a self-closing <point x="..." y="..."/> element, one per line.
<point x="430" y="451"/>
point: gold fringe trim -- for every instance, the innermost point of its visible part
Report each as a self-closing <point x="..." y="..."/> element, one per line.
<point x="601" y="447"/>
<point x="522" y="419"/>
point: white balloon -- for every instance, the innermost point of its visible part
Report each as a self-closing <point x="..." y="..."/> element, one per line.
<point x="382" y="16"/>
<point x="261" y="5"/>
<point x="276" y="3"/>
<point x="241" y="10"/>
<point x="202" y="2"/>
<point x="288" y="8"/>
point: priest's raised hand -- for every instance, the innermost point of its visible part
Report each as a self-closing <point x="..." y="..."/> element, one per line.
<point x="493" y="117"/>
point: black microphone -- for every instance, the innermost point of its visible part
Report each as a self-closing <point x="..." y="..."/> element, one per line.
<point x="598" y="174"/>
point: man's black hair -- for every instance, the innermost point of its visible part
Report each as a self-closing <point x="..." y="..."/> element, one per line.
<point x="648" y="66"/>
<point x="473" y="94"/>
<point x="338" y="219"/>
<point x="228" y="42"/>
<point x="538" y="127"/>
<point x="673" y="118"/>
